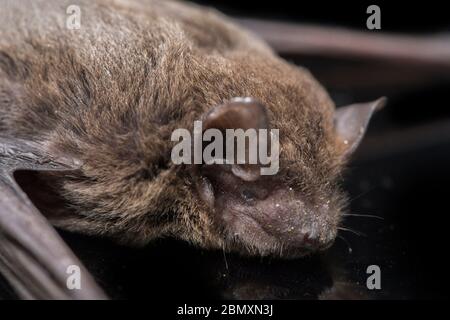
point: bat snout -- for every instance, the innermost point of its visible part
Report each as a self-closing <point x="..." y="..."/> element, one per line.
<point x="287" y="227"/>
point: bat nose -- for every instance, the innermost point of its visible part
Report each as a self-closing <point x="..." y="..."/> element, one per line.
<point x="310" y="241"/>
<point x="315" y="241"/>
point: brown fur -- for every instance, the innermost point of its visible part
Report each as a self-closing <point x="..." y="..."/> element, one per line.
<point x="111" y="93"/>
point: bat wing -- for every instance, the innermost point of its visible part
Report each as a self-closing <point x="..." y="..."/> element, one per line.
<point x="33" y="257"/>
<point x="293" y="39"/>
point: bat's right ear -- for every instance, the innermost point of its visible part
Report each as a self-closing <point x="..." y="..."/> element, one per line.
<point x="351" y="122"/>
<point x="239" y="113"/>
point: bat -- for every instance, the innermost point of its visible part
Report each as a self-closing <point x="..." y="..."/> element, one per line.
<point x="87" y="115"/>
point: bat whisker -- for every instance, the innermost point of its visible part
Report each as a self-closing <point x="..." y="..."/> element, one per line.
<point x="361" y="194"/>
<point x="352" y="231"/>
<point x="362" y="215"/>
<point x="225" y="257"/>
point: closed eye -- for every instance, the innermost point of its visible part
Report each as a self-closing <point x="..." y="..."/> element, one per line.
<point x="248" y="195"/>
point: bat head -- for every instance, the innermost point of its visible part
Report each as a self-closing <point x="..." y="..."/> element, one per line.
<point x="265" y="211"/>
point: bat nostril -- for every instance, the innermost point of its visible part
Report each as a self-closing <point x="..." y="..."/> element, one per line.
<point x="308" y="239"/>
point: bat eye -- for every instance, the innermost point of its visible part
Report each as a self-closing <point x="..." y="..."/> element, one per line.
<point x="248" y="195"/>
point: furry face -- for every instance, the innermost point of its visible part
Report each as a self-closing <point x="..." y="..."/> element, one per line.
<point x="109" y="96"/>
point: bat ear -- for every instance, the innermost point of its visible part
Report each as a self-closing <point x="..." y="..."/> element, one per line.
<point x="239" y="113"/>
<point x="351" y="122"/>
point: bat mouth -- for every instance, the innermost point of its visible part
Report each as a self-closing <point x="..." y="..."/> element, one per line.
<point x="254" y="237"/>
